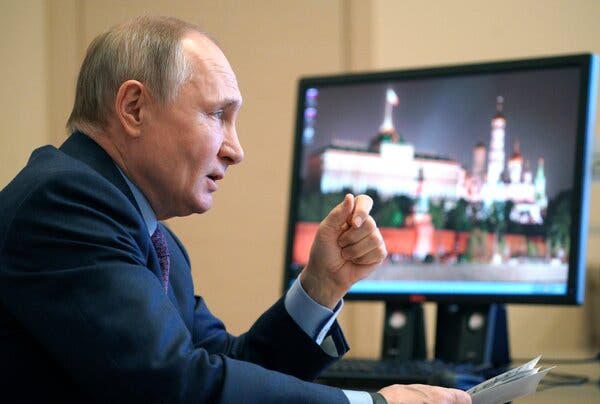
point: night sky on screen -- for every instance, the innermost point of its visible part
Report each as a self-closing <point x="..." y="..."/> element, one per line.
<point x="447" y="116"/>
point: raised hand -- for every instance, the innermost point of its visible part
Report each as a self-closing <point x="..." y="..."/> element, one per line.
<point x="347" y="247"/>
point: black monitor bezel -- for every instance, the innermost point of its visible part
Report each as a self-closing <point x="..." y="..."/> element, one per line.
<point x="581" y="180"/>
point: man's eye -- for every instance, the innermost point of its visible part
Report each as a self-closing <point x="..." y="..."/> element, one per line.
<point x="218" y="114"/>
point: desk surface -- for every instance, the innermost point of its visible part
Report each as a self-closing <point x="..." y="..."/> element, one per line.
<point x="585" y="393"/>
<point x="588" y="393"/>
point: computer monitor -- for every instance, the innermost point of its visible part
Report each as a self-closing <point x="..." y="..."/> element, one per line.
<point x="480" y="177"/>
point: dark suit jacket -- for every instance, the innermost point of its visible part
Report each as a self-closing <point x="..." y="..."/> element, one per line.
<point x="83" y="316"/>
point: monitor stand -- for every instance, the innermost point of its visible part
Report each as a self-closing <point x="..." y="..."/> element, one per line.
<point x="403" y="332"/>
<point x="472" y="333"/>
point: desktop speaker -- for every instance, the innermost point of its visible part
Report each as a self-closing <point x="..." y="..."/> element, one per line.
<point x="472" y="333"/>
<point x="404" y="332"/>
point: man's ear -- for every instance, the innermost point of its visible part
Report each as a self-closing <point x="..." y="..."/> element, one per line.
<point x="131" y="99"/>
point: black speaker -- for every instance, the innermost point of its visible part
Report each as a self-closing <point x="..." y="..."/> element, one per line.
<point x="404" y="332"/>
<point x="472" y="333"/>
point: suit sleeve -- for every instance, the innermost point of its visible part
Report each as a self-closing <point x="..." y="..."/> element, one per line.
<point x="73" y="273"/>
<point x="275" y="341"/>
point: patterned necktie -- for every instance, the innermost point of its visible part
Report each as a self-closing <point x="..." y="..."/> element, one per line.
<point x="162" y="250"/>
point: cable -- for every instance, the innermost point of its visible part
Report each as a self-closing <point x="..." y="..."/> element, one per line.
<point x="556" y="379"/>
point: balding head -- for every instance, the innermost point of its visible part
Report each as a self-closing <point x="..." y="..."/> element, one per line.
<point x="146" y="49"/>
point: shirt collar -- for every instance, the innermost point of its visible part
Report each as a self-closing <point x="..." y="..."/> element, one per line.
<point x="147" y="212"/>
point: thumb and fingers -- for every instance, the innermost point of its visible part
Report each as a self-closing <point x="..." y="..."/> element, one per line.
<point x="362" y="207"/>
<point x="364" y="245"/>
<point x="418" y="393"/>
<point x="353" y="235"/>
<point x="338" y="217"/>
<point x="356" y="231"/>
<point x="366" y="253"/>
<point x="352" y="212"/>
<point x="329" y="273"/>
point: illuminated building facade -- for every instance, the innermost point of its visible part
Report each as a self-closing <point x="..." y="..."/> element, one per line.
<point x="391" y="166"/>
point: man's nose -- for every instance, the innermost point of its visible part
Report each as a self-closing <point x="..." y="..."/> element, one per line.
<point x="231" y="149"/>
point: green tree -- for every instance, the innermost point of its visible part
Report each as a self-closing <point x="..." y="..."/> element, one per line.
<point x="496" y="221"/>
<point x="457" y="218"/>
<point x="559" y="222"/>
<point x="309" y="207"/>
<point x="314" y="206"/>
<point x="437" y="213"/>
<point x="394" y="211"/>
<point x="390" y="214"/>
<point x="329" y="201"/>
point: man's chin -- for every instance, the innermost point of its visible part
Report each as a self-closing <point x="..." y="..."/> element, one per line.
<point x="202" y="204"/>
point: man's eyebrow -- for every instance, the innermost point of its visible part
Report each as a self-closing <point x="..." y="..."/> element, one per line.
<point x="231" y="103"/>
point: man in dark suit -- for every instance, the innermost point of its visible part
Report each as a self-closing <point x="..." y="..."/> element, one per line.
<point x="97" y="295"/>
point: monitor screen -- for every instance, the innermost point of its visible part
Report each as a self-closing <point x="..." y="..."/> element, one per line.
<point x="479" y="175"/>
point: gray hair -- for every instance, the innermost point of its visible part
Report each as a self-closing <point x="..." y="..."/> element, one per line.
<point x="147" y="49"/>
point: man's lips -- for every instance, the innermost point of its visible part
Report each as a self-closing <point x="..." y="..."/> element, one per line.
<point x="215" y="176"/>
<point x="212" y="181"/>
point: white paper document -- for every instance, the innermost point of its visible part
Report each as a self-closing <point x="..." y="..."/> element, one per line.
<point x="510" y="385"/>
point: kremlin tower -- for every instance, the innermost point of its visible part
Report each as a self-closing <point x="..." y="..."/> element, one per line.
<point x="515" y="164"/>
<point x="496" y="154"/>
<point x="387" y="131"/>
<point x="540" y="185"/>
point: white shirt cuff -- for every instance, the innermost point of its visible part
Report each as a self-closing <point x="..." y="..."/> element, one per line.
<point x="358" y="397"/>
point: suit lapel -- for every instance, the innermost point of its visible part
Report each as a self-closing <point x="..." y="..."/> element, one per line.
<point x="84" y="149"/>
